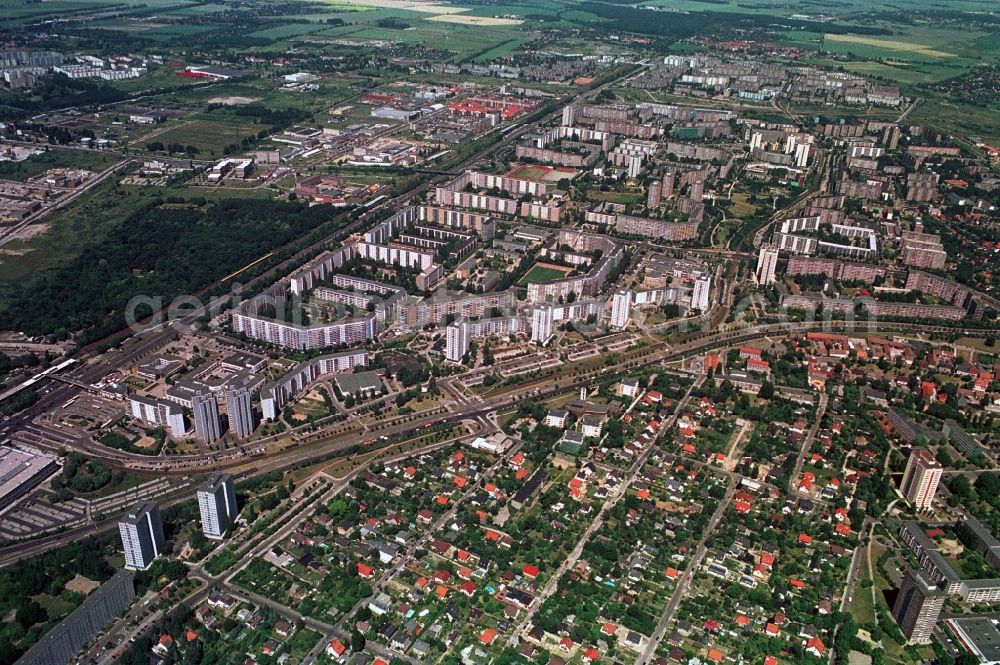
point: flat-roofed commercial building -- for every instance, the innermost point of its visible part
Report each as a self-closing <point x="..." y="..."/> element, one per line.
<point x="20" y="471"/>
<point x="979" y="636"/>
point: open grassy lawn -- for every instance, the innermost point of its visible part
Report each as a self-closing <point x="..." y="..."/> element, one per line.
<point x="725" y="231"/>
<point x="959" y="119"/>
<point x="979" y="344"/>
<point x="54" y="606"/>
<point x="159" y="78"/>
<point x="615" y="197"/>
<point x="862" y="607"/>
<point x="263" y="92"/>
<point x="741" y="206"/>
<point x="506" y="49"/>
<point x="543" y="273"/>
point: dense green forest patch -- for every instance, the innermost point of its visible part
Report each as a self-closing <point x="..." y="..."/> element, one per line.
<point x="160" y="252"/>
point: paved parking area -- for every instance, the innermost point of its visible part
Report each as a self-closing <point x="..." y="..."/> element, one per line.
<point x="38" y="515"/>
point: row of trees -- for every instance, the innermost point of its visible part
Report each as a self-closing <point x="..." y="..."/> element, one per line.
<point x="59" y="91"/>
<point x="172" y="148"/>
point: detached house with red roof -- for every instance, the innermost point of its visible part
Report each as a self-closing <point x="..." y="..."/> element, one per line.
<point x="815" y="646"/>
<point x="336" y="649"/>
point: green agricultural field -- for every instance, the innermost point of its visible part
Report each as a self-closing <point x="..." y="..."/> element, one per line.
<point x="504" y="50"/>
<point x="543" y="273"/>
<point x="467" y="41"/>
<point x="911" y="55"/>
<point x="345" y="6"/>
<point x="195" y="10"/>
<point x="21" y="11"/>
<point x="209" y="136"/>
<point x="159" y="32"/>
<point x="290" y="30"/>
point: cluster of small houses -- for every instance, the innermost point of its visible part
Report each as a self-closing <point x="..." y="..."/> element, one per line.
<point x="398" y="614"/>
<point x="849" y="358"/>
<point x="208" y="615"/>
<point x="749" y="562"/>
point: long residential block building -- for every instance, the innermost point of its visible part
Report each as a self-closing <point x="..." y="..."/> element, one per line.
<point x="443" y="306"/>
<point x="249" y="321"/>
<point x="469" y="220"/>
<point x="940" y="571"/>
<point x="834" y="269"/>
<point x="456" y="192"/>
<point x="579" y="157"/>
<point x="644" y="226"/>
<point x="923" y="250"/>
<point x="547" y="211"/>
<point x="656" y="228"/>
<point x="463" y="199"/>
<point x="258" y="317"/>
<point x="939" y="287"/>
<point x="61" y="644"/>
<point x="579" y="135"/>
<point x="847" y="306"/>
<point x="274" y="395"/>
